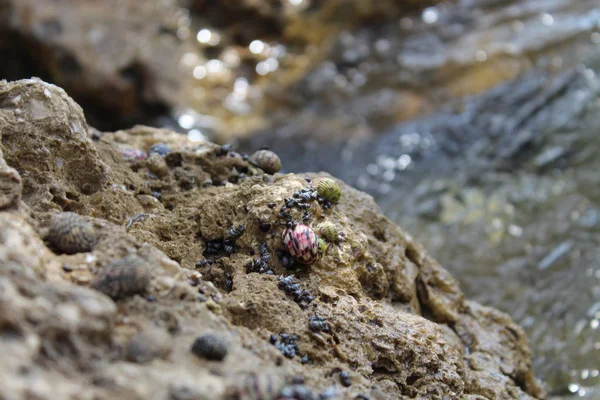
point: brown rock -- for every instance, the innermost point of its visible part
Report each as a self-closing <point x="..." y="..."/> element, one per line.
<point x="157" y="165"/>
<point x="45" y="137"/>
<point x="148" y="344"/>
<point x="397" y="321"/>
<point x="10" y="186"/>
<point x="119" y="61"/>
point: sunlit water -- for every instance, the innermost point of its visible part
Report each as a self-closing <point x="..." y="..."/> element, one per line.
<point x="502" y="187"/>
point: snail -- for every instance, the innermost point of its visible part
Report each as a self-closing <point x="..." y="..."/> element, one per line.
<point x="70" y="233"/>
<point x="303" y="244"/>
<point x="123" y="278"/>
<point x="266" y="160"/>
<point x="328" y="189"/>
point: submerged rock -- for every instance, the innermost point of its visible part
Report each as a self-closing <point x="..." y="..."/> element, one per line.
<point x="396" y="321"/>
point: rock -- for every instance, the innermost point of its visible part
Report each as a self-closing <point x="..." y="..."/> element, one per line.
<point x="157" y="165"/>
<point x="249" y="19"/>
<point x="21" y="248"/>
<point x="10" y="186"/>
<point x="120" y="62"/>
<point x="149" y="344"/>
<point x="388" y="313"/>
<point x="45" y="137"/>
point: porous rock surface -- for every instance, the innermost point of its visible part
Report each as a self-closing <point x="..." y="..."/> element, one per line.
<point x="119" y="59"/>
<point x="397" y="322"/>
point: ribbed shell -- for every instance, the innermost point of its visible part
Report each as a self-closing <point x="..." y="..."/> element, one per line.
<point x="123" y="278"/>
<point x="302" y="244"/>
<point x="327" y="188"/>
<point x="329" y="232"/>
<point x="266" y="160"/>
<point x="70" y="233"/>
<point x="264" y="386"/>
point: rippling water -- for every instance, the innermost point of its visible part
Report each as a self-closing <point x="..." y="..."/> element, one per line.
<point x="476" y="126"/>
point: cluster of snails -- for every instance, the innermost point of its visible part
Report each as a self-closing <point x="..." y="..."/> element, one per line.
<point x="300" y="240"/>
<point x="71" y="233"/>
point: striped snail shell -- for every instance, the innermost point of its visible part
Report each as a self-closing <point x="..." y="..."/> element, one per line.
<point x="303" y="244"/>
<point x="263" y="386"/>
<point x="266" y="160"/>
<point x="70" y="233"/>
<point x="123" y="278"/>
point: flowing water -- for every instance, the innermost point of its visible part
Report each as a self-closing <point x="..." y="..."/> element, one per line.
<point x="474" y="124"/>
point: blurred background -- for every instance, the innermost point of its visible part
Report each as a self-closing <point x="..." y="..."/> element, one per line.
<point x="474" y="123"/>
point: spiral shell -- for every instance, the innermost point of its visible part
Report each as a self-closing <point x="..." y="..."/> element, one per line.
<point x="329" y="232"/>
<point x="266" y="160"/>
<point x="263" y="386"/>
<point x="303" y="244"/>
<point x="328" y="189"/>
<point x="321" y="246"/>
<point x="71" y="233"/>
<point x="123" y="278"/>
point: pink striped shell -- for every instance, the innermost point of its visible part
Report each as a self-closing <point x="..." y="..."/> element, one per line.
<point x="303" y="244"/>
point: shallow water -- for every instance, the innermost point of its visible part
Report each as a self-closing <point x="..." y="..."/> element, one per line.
<point x="476" y="127"/>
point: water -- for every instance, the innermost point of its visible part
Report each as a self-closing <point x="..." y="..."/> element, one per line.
<point x="474" y="124"/>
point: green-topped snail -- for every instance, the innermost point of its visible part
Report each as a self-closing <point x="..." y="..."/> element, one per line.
<point x="329" y="231"/>
<point x="327" y="188"/>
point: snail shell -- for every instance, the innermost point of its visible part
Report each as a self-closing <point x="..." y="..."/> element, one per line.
<point x="303" y="244"/>
<point x="71" y="233"/>
<point x="123" y="278"/>
<point x="266" y="160"/>
<point x="329" y="232"/>
<point x="328" y="189"/>
<point x="263" y="386"/>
